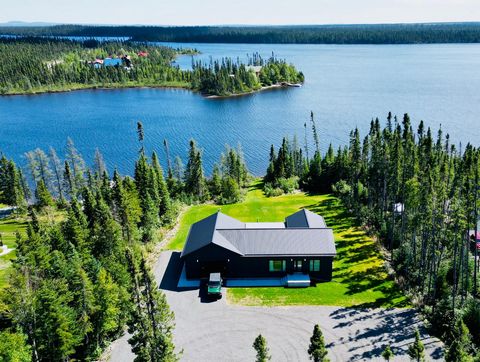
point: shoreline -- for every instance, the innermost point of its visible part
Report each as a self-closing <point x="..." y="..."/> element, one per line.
<point x="264" y="88"/>
<point x="130" y="86"/>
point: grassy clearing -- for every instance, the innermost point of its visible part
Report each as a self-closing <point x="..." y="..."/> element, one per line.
<point x="8" y="229"/>
<point x="359" y="279"/>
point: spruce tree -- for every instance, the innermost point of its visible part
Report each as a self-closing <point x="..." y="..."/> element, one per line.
<point x="77" y="165"/>
<point x="416" y="351"/>
<point x="58" y="175"/>
<point x="42" y="195"/>
<point x="195" y="184"/>
<point x="215" y="182"/>
<point x="151" y="321"/>
<point x="261" y="348"/>
<point x="165" y="205"/>
<point x="12" y="191"/>
<point x="69" y="182"/>
<point x="387" y="353"/>
<point x="458" y="350"/>
<point x="106" y="318"/>
<point x="317" y="350"/>
<point x="14" y="347"/>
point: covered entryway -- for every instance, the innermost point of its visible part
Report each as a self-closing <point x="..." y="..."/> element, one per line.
<point x="298" y="266"/>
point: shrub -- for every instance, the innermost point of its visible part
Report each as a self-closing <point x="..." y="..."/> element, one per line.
<point x="288" y="185"/>
<point x="271" y="191"/>
<point x="231" y="192"/>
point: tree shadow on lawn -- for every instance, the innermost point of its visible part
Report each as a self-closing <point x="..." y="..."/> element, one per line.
<point x="334" y="214"/>
<point x="255" y="186"/>
<point x="361" y="267"/>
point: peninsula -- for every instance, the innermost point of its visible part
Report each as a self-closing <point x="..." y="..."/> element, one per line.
<point x="30" y="65"/>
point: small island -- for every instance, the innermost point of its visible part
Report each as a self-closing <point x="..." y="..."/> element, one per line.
<point x="44" y="65"/>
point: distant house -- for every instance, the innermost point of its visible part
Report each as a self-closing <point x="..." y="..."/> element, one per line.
<point x="301" y="246"/>
<point x="254" y="68"/>
<point x="112" y="62"/>
<point x="97" y="63"/>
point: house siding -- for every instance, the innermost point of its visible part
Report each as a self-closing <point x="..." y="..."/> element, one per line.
<point x="213" y="258"/>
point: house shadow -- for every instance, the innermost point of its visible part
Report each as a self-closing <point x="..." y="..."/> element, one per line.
<point x="172" y="274"/>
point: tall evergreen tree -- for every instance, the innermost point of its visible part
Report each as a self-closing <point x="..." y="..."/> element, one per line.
<point x="195" y="184"/>
<point x="260" y="347"/>
<point x="416" y="350"/>
<point x="43" y="195"/>
<point x="152" y="321"/>
<point x="317" y="349"/>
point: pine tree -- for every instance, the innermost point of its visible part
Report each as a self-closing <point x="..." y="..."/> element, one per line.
<point x="230" y="192"/>
<point x="260" y="347"/>
<point x="127" y="206"/>
<point x="148" y="219"/>
<point x="12" y="191"/>
<point x="105" y="234"/>
<point x="151" y="323"/>
<point x="387" y="353"/>
<point x="69" y="182"/>
<point x="100" y="166"/>
<point x="43" y="196"/>
<point x="58" y="175"/>
<point x="195" y="184"/>
<point x="56" y="325"/>
<point x="165" y="205"/>
<point x="317" y="349"/>
<point x="416" y="351"/>
<point x="106" y="319"/>
<point x="77" y="165"/>
<point x="458" y="350"/>
<point x="141" y="136"/>
<point x="216" y="182"/>
<point x="14" y="347"/>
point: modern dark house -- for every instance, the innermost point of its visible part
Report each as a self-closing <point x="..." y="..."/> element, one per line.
<point x="301" y="246"/>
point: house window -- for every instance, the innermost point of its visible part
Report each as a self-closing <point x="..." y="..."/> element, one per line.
<point x="276" y="265"/>
<point x="315" y="265"/>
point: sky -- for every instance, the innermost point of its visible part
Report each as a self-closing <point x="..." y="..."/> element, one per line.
<point x="215" y="12"/>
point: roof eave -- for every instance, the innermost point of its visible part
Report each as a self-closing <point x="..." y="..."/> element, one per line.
<point x="289" y="255"/>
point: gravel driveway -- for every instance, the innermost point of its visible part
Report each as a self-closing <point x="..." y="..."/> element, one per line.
<point x="214" y="331"/>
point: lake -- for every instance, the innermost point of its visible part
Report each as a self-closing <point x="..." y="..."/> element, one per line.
<point x="346" y="86"/>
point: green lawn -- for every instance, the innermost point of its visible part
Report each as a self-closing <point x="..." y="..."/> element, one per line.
<point x="359" y="278"/>
<point x="8" y="229"/>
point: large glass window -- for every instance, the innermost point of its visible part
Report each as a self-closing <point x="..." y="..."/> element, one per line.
<point x="314" y="265"/>
<point x="276" y="265"/>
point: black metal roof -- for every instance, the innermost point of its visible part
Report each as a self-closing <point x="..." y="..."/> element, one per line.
<point x="305" y="219"/>
<point x="305" y="234"/>
<point x="285" y="242"/>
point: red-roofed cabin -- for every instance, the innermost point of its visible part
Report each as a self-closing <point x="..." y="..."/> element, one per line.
<point x="142" y="54"/>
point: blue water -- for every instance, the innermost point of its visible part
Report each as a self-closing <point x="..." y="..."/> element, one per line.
<point x="345" y="86"/>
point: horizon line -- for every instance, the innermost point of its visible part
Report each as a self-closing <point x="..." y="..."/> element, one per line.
<point x="21" y="23"/>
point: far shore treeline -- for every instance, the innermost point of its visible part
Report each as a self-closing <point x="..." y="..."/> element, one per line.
<point x="37" y="65"/>
<point x="300" y="34"/>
